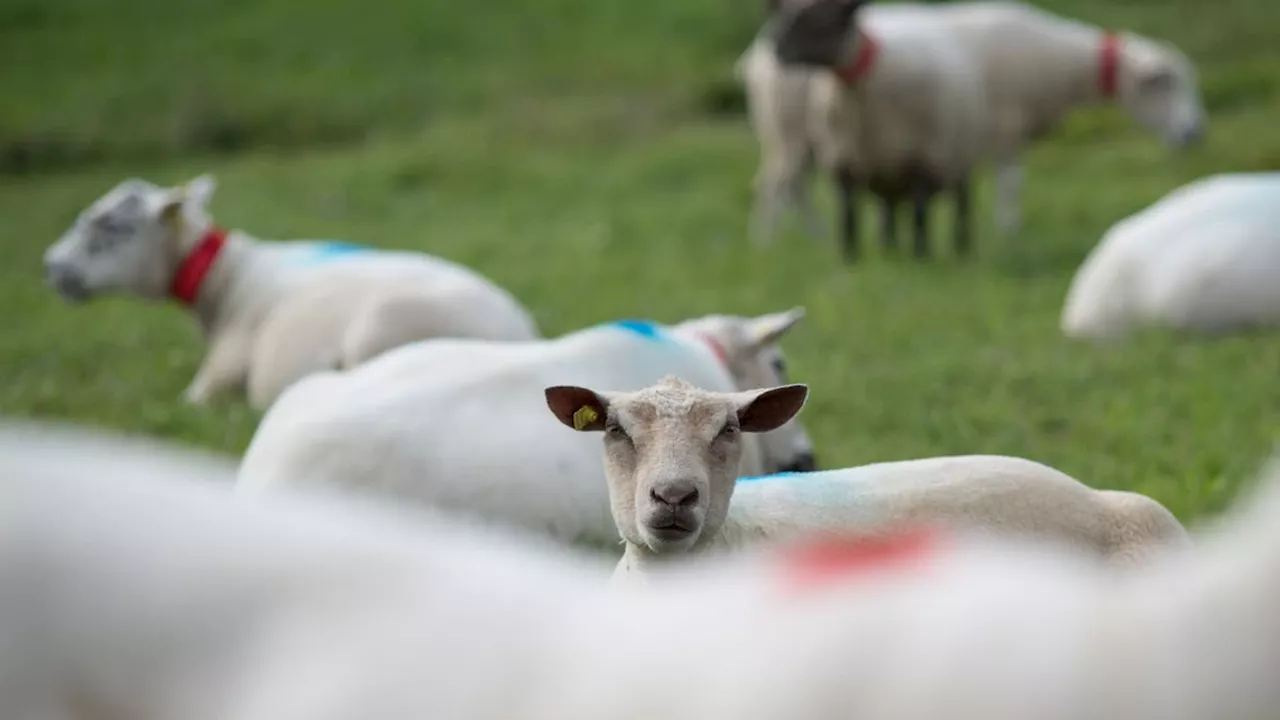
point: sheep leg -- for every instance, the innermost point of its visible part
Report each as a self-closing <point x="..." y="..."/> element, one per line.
<point x="225" y="367"/>
<point x="847" y="186"/>
<point x="802" y="200"/>
<point x="889" y="223"/>
<point x="964" y="218"/>
<point x="921" y="192"/>
<point x="1009" y="178"/>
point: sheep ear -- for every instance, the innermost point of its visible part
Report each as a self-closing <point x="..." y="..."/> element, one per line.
<point x="171" y="202"/>
<point x="770" y="409"/>
<point x="199" y="189"/>
<point x="577" y="407"/>
<point x="768" y="329"/>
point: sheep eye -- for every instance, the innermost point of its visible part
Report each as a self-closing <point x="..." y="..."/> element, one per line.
<point x="615" y="430"/>
<point x="729" y="430"/>
<point x="779" y="368"/>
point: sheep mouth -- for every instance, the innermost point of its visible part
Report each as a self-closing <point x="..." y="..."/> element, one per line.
<point x="671" y="531"/>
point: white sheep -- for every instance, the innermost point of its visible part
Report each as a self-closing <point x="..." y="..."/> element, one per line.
<point x="894" y="106"/>
<point x="137" y="593"/>
<point x="671" y="459"/>
<point x="1203" y="259"/>
<point x="1037" y="67"/>
<point x="271" y="312"/>
<point x="461" y="424"/>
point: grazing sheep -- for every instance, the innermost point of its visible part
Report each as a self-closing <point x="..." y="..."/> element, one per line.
<point x="1037" y="67"/>
<point x="671" y="459"/>
<point x="271" y="312"/>
<point x="1205" y="258"/>
<point x="137" y="593"/>
<point x="890" y="104"/>
<point x="461" y="424"/>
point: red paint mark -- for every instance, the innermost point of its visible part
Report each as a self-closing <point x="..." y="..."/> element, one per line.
<point x="829" y="559"/>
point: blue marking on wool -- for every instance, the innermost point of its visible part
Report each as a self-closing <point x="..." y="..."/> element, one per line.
<point x="335" y="248"/>
<point x="775" y="476"/>
<point x="643" y="328"/>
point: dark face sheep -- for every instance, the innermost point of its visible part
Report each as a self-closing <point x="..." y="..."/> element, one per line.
<point x="815" y="33"/>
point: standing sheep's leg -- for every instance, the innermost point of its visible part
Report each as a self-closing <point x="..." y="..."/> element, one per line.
<point x="1009" y="178"/>
<point x="964" y="218"/>
<point x="802" y="200"/>
<point x="847" y="187"/>
<point x="889" y="223"/>
<point x="921" y="193"/>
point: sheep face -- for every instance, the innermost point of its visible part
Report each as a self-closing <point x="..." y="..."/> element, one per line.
<point x="128" y="241"/>
<point x="1159" y="88"/>
<point x="754" y="360"/>
<point x="814" y="33"/>
<point x="672" y="452"/>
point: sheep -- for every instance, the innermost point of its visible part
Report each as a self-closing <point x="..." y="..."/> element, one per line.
<point x="417" y="424"/>
<point x="894" y="106"/>
<point x="1038" y="67"/>
<point x="139" y="593"/>
<point x="270" y="312"/>
<point x="1202" y="259"/>
<point x="671" y="459"/>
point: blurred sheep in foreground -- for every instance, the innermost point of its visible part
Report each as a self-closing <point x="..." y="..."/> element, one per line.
<point x="128" y="589"/>
<point x="271" y="312"/>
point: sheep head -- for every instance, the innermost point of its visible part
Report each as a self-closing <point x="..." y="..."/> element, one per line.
<point x="672" y="452"/>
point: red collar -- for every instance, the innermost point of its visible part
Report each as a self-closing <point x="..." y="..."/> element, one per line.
<point x="191" y="273"/>
<point x="868" y="49"/>
<point x="1109" y="64"/>
<point x="716" y="348"/>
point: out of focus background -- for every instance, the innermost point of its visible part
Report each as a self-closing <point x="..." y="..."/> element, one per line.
<point x="594" y="157"/>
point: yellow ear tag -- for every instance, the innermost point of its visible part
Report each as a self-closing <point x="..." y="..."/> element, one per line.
<point x="584" y="416"/>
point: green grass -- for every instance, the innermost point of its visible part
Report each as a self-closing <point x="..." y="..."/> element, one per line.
<point x="587" y="154"/>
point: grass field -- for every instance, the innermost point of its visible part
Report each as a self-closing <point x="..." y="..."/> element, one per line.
<point x="591" y="155"/>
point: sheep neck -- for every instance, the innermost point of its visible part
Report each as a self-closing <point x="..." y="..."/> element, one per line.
<point x="1109" y="64"/>
<point x="203" y="277"/>
<point x="866" y="50"/>
<point x="195" y="267"/>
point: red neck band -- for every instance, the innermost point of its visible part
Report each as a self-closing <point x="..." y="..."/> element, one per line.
<point x="191" y="273"/>
<point x="716" y="348"/>
<point x="863" y="60"/>
<point x="1109" y="64"/>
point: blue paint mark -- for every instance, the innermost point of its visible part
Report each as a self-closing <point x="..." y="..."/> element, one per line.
<point x="336" y="248"/>
<point x="644" y="328"/>
<point x="774" y="476"/>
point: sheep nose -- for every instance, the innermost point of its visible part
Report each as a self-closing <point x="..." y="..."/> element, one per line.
<point x="680" y="494"/>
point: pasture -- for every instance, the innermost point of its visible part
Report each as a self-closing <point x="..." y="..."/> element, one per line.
<point x="593" y="157"/>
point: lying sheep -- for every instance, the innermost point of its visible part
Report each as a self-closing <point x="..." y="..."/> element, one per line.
<point x="891" y="106"/>
<point x="271" y="312"/>
<point x="418" y="423"/>
<point x="671" y="459"/>
<point x="1204" y="258"/>
<point x="1037" y="67"/>
<point x="140" y="594"/>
